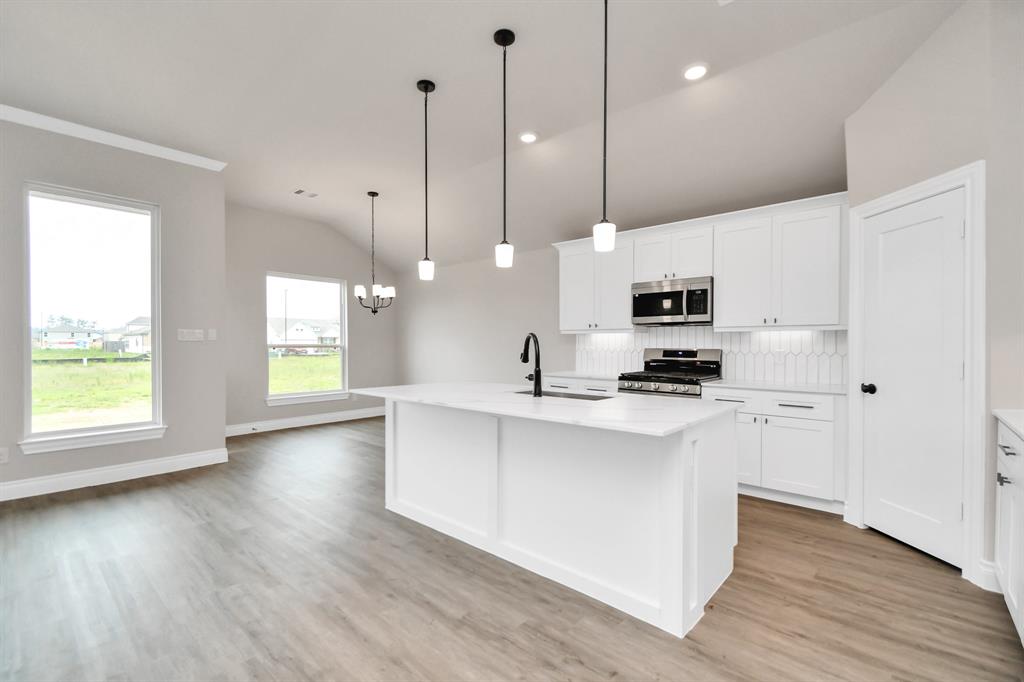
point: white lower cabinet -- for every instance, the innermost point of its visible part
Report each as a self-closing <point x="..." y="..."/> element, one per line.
<point x="797" y="459"/>
<point x="797" y="456"/>
<point x="1009" y="545"/>
<point x="748" y="435"/>
<point x="582" y="386"/>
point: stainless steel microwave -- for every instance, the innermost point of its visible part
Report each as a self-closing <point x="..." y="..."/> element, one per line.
<point x="673" y="301"/>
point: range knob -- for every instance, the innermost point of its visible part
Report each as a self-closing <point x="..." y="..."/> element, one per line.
<point x="629" y="384"/>
<point x="674" y="388"/>
<point x="654" y="387"/>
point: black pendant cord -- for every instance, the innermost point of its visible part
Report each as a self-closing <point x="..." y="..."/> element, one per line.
<point x="504" y="145"/>
<point x="373" y="267"/>
<point x="426" y="193"/>
<point x="604" y="144"/>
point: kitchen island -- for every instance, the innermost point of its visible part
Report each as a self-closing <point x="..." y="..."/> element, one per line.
<point x="630" y="499"/>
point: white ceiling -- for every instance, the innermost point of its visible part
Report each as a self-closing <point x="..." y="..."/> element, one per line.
<point x="321" y="95"/>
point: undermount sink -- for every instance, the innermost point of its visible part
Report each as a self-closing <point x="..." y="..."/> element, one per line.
<point x="559" y="394"/>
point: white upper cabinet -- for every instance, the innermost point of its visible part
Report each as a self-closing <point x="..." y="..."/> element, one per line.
<point x="576" y="289"/>
<point x="743" y="273"/>
<point x="691" y="252"/>
<point x="674" y="253"/>
<point x="783" y="270"/>
<point x="594" y="288"/>
<point x="780" y="266"/>
<point x="806" y="264"/>
<point x="613" y="278"/>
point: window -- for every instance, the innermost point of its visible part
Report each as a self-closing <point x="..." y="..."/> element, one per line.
<point x="305" y="339"/>
<point x="91" y="276"/>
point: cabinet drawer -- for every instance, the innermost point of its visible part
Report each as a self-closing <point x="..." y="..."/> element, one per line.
<point x="557" y="384"/>
<point x="799" y="406"/>
<point x="745" y="401"/>
<point x="1009" y="451"/>
<point x="599" y="387"/>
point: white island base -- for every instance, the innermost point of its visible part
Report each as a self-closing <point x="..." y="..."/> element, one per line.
<point x="644" y="523"/>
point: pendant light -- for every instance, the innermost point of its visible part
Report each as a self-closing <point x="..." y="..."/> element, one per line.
<point x="504" y="252"/>
<point x="426" y="266"/>
<point x="604" y="231"/>
<point x="380" y="296"/>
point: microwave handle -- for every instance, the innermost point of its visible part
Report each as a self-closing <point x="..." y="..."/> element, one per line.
<point x="686" y="314"/>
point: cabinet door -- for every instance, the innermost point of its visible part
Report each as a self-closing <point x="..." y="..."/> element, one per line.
<point x="576" y="290"/>
<point x="614" y="277"/>
<point x="797" y="456"/>
<point x="652" y="258"/>
<point x="805" y="267"/>
<point x="743" y="273"/>
<point x="691" y="252"/>
<point x="1009" y="543"/>
<point x="748" y="441"/>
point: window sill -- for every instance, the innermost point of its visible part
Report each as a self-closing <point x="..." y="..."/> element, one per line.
<point x="46" y="443"/>
<point x="302" y="398"/>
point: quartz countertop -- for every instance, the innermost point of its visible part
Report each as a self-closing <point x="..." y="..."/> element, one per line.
<point x="835" y="389"/>
<point x="1014" y="420"/>
<point x="640" y="414"/>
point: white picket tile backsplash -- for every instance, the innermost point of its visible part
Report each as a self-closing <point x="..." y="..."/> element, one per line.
<point x="777" y="357"/>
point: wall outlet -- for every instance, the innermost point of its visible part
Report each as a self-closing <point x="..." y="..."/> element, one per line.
<point x="211" y="334"/>
<point x="5" y="455"/>
<point x="190" y="335"/>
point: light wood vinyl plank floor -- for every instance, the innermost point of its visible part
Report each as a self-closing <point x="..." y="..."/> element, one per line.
<point x="283" y="565"/>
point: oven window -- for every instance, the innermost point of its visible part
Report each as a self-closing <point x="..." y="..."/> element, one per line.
<point x="658" y="304"/>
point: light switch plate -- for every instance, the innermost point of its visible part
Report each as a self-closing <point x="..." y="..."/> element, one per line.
<point x="190" y="335"/>
<point x="211" y="334"/>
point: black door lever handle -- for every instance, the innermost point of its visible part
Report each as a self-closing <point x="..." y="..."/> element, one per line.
<point x="868" y="388"/>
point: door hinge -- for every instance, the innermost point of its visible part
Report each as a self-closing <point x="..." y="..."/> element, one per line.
<point x="963" y="370"/>
<point x="961" y="511"/>
<point x="963" y="228"/>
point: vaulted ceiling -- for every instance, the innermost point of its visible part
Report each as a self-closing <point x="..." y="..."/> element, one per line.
<point x="321" y="95"/>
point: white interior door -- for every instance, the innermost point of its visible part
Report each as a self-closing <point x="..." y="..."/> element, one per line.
<point x="914" y="355"/>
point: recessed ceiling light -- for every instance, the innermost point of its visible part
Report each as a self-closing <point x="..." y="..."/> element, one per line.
<point x="694" y="72"/>
<point x="528" y="137"/>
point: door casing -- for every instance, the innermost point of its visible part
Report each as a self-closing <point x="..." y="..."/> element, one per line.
<point x="971" y="178"/>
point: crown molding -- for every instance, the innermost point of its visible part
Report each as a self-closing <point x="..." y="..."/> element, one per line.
<point x="56" y="125"/>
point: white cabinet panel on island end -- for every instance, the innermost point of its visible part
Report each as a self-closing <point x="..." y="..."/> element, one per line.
<point x="628" y="499"/>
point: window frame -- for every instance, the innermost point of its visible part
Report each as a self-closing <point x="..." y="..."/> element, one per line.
<point x="107" y="434"/>
<point x="278" y="399"/>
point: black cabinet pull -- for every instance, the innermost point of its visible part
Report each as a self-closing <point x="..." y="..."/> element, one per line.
<point x="803" y="407"/>
<point x="868" y="388"/>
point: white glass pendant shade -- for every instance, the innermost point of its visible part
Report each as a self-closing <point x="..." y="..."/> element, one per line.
<point x="389" y="292"/>
<point x="360" y="291"/>
<point x="504" y="254"/>
<point x="604" y="236"/>
<point x="378" y="290"/>
<point x="426" y="269"/>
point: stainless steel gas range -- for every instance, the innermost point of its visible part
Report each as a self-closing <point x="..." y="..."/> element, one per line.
<point x="674" y="371"/>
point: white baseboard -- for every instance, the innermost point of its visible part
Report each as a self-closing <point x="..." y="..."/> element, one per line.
<point x="830" y="506"/>
<point x="55" y="483"/>
<point x="305" y="420"/>
<point x="984" y="576"/>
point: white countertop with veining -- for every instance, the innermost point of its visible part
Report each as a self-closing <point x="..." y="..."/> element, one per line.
<point x="640" y="414"/>
<point x="577" y="374"/>
<point x="1014" y="420"/>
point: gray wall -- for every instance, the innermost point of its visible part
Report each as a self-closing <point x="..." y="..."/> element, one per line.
<point x="957" y="99"/>
<point x="261" y="241"/>
<point x="470" y="322"/>
<point x="191" y="204"/>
